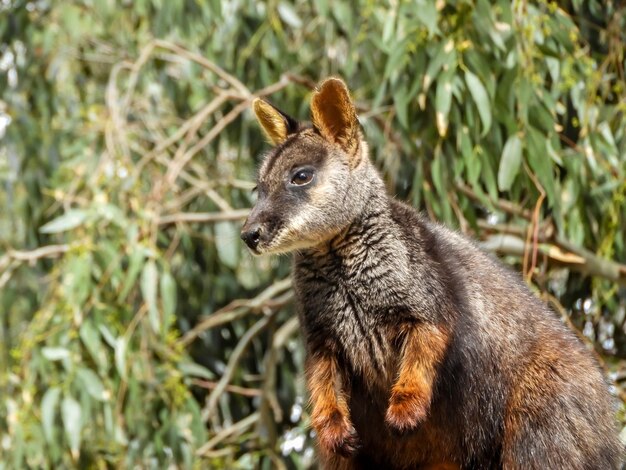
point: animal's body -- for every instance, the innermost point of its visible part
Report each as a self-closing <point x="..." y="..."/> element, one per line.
<point x="422" y="351"/>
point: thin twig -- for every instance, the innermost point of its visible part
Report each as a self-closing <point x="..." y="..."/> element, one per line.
<point x="575" y="258"/>
<point x="502" y="204"/>
<point x="186" y="217"/>
<point x="269" y="398"/>
<point x="200" y="116"/>
<point x="206" y="63"/>
<point x="236" y="389"/>
<point x="232" y="365"/>
<point x="237" y="309"/>
<point x="49" y="251"/>
<point x="179" y="163"/>
<point x="233" y="430"/>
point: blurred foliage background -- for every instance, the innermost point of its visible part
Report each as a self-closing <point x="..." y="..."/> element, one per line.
<point x="135" y="329"/>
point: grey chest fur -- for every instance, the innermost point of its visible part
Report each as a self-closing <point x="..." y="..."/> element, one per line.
<point x="348" y="305"/>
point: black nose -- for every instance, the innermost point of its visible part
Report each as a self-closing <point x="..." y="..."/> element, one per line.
<point x="252" y="236"/>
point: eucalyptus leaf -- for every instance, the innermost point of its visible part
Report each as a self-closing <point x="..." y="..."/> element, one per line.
<point x="69" y="220"/>
<point x="55" y="353"/>
<point x="443" y="100"/>
<point x="510" y="162"/>
<point x="149" y="279"/>
<point x="92" y="384"/>
<point x="71" y="414"/>
<point x="49" y="404"/>
<point x="289" y="15"/>
<point x="120" y="356"/>
<point x="227" y="243"/>
<point x="136" y="260"/>
<point x="481" y="98"/>
<point x="168" y="297"/>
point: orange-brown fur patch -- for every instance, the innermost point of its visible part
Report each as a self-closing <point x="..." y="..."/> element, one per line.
<point x="411" y="394"/>
<point x="330" y="415"/>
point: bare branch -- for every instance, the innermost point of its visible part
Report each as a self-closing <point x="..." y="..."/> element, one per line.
<point x="240" y="308"/>
<point x="501" y="204"/>
<point x="233" y="430"/>
<point x="246" y="392"/>
<point x="234" y="359"/>
<point x="48" y="251"/>
<point x="206" y="63"/>
<point x="574" y="258"/>
<point x="185" y="217"/>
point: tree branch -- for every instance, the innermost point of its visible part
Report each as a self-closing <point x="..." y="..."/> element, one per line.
<point x="562" y="253"/>
<point x="236" y="214"/>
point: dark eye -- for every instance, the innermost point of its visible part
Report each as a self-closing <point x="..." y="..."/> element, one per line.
<point x="302" y="177"/>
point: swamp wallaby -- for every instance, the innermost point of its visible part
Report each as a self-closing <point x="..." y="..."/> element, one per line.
<point x="422" y="351"/>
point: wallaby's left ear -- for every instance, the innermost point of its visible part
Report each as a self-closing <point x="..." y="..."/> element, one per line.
<point x="276" y="125"/>
<point x="334" y="115"/>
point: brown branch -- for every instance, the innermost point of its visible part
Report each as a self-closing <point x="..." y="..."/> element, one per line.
<point x="234" y="430"/>
<point x="595" y="265"/>
<point x="269" y="407"/>
<point x="49" y="251"/>
<point x="502" y="204"/>
<point x="592" y="264"/>
<point x="234" y="359"/>
<point x="189" y="124"/>
<point x="204" y="62"/>
<point x="186" y="217"/>
<point x="246" y="392"/>
<point x="575" y="258"/>
<point x="240" y="308"/>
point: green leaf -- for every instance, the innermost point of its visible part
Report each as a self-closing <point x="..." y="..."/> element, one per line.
<point x="168" y="297"/>
<point x="55" y="354"/>
<point x="443" y="57"/>
<point x="509" y="162"/>
<point x="191" y="369"/>
<point x="343" y="14"/>
<point x="137" y="257"/>
<point x="443" y="101"/>
<point x="71" y="219"/>
<point x="93" y="384"/>
<point x="481" y="98"/>
<point x="149" y="276"/>
<point x="389" y="26"/>
<point x="437" y="174"/>
<point x="120" y="356"/>
<point x="71" y="414"/>
<point x="49" y="404"/>
<point x="401" y="103"/>
<point x="91" y="340"/>
<point x="77" y="278"/>
<point x="227" y="243"/>
<point x="322" y="7"/>
<point x="540" y="162"/>
<point x="289" y="15"/>
<point x="397" y="59"/>
<point x="426" y="12"/>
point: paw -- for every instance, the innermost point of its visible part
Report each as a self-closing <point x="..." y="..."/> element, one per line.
<point x="335" y="434"/>
<point x="406" y="410"/>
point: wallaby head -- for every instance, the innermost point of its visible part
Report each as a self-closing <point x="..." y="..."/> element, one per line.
<point x="315" y="180"/>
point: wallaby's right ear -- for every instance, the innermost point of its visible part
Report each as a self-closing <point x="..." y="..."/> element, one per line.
<point x="334" y="115"/>
<point x="276" y="125"/>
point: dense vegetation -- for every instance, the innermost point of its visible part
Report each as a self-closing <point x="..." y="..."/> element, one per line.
<point x="134" y="327"/>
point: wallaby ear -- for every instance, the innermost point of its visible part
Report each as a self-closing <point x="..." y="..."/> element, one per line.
<point x="334" y="115"/>
<point x="275" y="124"/>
